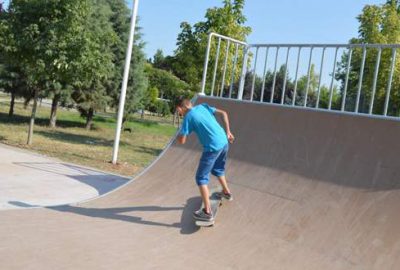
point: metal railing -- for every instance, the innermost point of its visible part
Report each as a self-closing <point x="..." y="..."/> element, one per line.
<point x="222" y="67"/>
<point x="356" y="78"/>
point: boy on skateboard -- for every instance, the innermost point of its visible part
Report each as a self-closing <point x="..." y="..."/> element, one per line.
<point x="201" y="120"/>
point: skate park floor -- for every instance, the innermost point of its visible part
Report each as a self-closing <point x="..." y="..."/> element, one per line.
<point x="43" y="181"/>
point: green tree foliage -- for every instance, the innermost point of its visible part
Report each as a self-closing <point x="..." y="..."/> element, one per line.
<point x="168" y="85"/>
<point x="95" y="65"/>
<point x="162" y="108"/>
<point x="72" y="51"/>
<point x="159" y="60"/>
<point x="137" y="84"/>
<point x="138" y="80"/>
<point x="11" y="76"/>
<point x="151" y="98"/>
<point x="192" y="41"/>
<point x="12" y="81"/>
<point x="12" y="73"/>
<point x="46" y="35"/>
<point x="289" y="88"/>
<point x="378" y="24"/>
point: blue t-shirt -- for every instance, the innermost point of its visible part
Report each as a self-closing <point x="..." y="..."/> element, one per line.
<point x="201" y="120"/>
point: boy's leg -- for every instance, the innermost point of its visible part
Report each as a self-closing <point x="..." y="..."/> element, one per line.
<point x="205" y="195"/>
<point x="224" y="184"/>
<point x="206" y="164"/>
<point x="219" y="169"/>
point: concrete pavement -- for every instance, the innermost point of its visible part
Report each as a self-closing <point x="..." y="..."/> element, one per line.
<point x="37" y="180"/>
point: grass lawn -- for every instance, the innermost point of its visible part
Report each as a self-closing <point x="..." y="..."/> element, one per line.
<point x="72" y="143"/>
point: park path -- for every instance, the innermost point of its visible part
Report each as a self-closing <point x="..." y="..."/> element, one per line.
<point x="42" y="181"/>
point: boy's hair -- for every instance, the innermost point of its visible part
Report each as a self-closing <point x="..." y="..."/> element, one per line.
<point x="181" y="100"/>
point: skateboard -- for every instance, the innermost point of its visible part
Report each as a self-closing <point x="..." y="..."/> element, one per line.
<point x="215" y="201"/>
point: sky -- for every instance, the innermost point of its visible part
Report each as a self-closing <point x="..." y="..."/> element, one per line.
<point x="272" y="21"/>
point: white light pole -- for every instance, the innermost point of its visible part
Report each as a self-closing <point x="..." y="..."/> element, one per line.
<point x="125" y="81"/>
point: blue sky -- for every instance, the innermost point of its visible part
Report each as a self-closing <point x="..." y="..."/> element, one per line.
<point x="290" y="21"/>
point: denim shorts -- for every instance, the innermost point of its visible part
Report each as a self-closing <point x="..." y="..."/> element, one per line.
<point x="211" y="162"/>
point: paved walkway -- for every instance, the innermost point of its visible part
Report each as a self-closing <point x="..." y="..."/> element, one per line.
<point x="42" y="181"/>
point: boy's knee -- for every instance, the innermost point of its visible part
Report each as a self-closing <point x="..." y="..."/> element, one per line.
<point x="202" y="181"/>
<point x="218" y="173"/>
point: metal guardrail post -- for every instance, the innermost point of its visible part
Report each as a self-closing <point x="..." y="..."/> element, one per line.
<point x="264" y="75"/>
<point x="296" y="78"/>
<point x="376" y="72"/>
<point x="215" y="67"/>
<point x="243" y="73"/>
<point x="271" y="99"/>
<point x="389" y="87"/>
<point x="346" y="84"/>
<point x="254" y="76"/>
<point x="320" y="77"/>
<point x="205" y="68"/>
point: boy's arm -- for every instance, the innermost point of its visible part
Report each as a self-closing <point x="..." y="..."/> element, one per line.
<point x="184" y="132"/>
<point x="225" y="119"/>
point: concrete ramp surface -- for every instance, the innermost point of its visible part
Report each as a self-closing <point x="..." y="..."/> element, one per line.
<point x="313" y="190"/>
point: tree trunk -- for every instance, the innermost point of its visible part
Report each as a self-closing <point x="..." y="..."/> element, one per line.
<point x="123" y="123"/>
<point x="26" y="103"/>
<point x="89" y="119"/>
<point x="174" y="117"/>
<point x="33" y="115"/>
<point x="53" y="113"/>
<point x="124" y="119"/>
<point x="12" y="103"/>
<point x="142" y="114"/>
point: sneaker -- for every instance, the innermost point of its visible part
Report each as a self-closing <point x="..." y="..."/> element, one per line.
<point x="202" y="215"/>
<point x="225" y="196"/>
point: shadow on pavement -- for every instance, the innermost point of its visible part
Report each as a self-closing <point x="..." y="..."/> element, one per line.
<point x="186" y="224"/>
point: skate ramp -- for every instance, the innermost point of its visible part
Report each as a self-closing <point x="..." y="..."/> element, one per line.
<point x="313" y="190"/>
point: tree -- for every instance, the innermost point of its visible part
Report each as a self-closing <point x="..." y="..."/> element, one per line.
<point x="159" y="59"/>
<point x="192" y="41"/>
<point x="162" y="108"/>
<point x="162" y="62"/>
<point x="151" y="99"/>
<point x="45" y="35"/>
<point x="12" y="78"/>
<point x="95" y="63"/>
<point x="289" y="88"/>
<point x="378" y="24"/>
<point x="137" y="84"/>
<point x="279" y="81"/>
<point x="169" y="86"/>
<point x="312" y="88"/>
<point x="13" y="81"/>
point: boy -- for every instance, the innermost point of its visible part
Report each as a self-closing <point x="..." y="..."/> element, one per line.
<point x="201" y="120"/>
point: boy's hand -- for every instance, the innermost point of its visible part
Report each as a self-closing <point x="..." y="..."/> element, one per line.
<point x="181" y="139"/>
<point x="231" y="138"/>
<point x="180" y="111"/>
